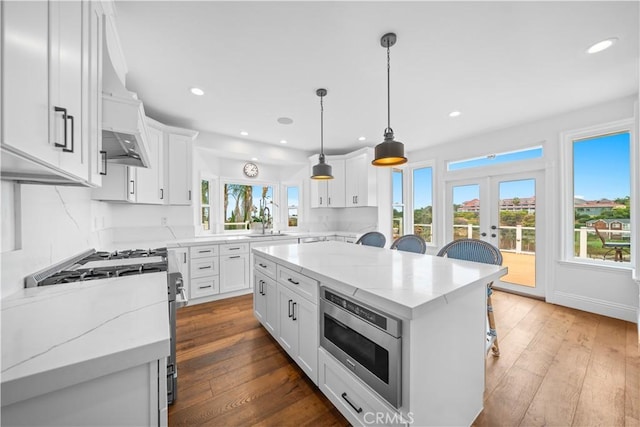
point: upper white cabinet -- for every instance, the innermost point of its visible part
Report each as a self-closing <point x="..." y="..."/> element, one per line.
<point x="167" y="180"/>
<point x="49" y="82"/>
<point x="178" y="164"/>
<point x="150" y="181"/>
<point x="361" y="182"/>
<point x="329" y="193"/>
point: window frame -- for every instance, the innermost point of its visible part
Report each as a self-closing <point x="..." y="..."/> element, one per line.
<point x="213" y="217"/>
<point x="275" y="211"/>
<point x="567" y="140"/>
<point x="284" y="201"/>
<point x="409" y="207"/>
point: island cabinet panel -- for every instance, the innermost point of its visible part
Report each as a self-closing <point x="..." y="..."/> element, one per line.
<point x="265" y="302"/>
<point x="301" y="284"/>
<point x="298" y="329"/>
<point x="354" y="399"/>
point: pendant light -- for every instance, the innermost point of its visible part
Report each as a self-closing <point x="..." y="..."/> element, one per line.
<point x="389" y="152"/>
<point x="322" y="170"/>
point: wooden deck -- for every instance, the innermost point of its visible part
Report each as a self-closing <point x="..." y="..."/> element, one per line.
<point x="558" y="366"/>
<point x="522" y="268"/>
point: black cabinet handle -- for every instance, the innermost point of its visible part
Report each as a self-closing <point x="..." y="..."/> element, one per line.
<point x="262" y="265"/>
<point x="493" y="235"/>
<point x="235" y="256"/>
<point x="329" y="201"/>
<point x="290" y="314"/>
<point x="64" y="120"/>
<point x="493" y="227"/>
<point x="204" y="287"/>
<point x="320" y="200"/>
<point x="185" y="258"/>
<point x="104" y="162"/>
<point x="72" y="132"/>
<point x="133" y="187"/>
<point x="234" y="249"/>
<point x="189" y="194"/>
<point x="344" y="396"/>
<point x="260" y="291"/>
<point x="161" y="193"/>
<point x="294" y="311"/>
<point x="204" y="268"/>
<point x="483" y="234"/>
<point x="293" y="281"/>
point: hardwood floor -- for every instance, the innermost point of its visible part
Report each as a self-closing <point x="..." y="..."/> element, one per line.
<point x="558" y="366"/>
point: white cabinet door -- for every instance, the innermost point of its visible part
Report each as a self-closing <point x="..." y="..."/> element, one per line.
<point x="25" y="75"/>
<point x="361" y="183"/>
<point x="336" y="186"/>
<point x="306" y="318"/>
<point x="65" y="85"/>
<point x="92" y="93"/>
<point x="234" y="272"/>
<point x="150" y="180"/>
<point x="259" y="298"/>
<point x="287" y="327"/>
<point x="179" y="173"/>
<point x="270" y="290"/>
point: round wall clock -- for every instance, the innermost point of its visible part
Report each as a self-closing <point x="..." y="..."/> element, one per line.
<point x="250" y="170"/>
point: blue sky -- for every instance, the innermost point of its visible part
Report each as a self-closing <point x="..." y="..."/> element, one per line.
<point x="602" y="170"/>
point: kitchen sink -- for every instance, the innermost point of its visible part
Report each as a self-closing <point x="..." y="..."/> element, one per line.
<point x="266" y="235"/>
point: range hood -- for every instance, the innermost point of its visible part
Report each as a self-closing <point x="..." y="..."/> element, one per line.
<point x="124" y="131"/>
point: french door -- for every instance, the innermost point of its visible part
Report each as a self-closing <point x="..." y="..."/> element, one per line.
<point x="501" y="210"/>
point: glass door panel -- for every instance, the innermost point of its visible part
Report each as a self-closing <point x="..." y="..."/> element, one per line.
<point x="466" y="211"/>
<point x="516" y="206"/>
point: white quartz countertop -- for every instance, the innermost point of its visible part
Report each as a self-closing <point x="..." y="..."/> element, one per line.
<point x="403" y="283"/>
<point x="57" y="336"/>
<point x="255" y="237"/>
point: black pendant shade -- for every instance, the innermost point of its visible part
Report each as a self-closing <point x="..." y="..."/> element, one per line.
<point x="389" y="152"/>
<point x="322" y="170"/>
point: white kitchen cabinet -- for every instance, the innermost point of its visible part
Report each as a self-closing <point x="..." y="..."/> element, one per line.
<point x="204" y="272"/>
<point x="267" y="264"/>
<point x="92" y="43"/>
<point x="150" y="181"/>
<point x="134" y="396"/>
<point x="46" y="90"/>
<point x="329" y="193"/>
<point x="360" y="181"/>
<point x="234" y="268"/>
<point x="179" y="169"/>
<point x="265" y="298"/>
<point x="298" y="329"/>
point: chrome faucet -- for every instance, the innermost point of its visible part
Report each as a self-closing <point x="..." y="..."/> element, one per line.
<point x="266" y="213"/>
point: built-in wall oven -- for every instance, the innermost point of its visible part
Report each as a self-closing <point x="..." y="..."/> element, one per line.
<point x="365" y="340"/>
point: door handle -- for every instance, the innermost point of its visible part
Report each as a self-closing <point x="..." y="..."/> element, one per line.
<point x="294" y="311"/>
<point x="344" y="396"/>
<point x="133" y="187"/>
<point x="290" y="314"/>
<point x="483" y="234"/>
<point x="493" y="235"/>
<point x="493" y="227"/>
<point x="161" y="193"/>
<point x="64" y="120"/>
<point x="66" y="150"/>
<point x="293" y="281"/>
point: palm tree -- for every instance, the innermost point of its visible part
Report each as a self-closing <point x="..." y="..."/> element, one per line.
<point x="237" y="192"/>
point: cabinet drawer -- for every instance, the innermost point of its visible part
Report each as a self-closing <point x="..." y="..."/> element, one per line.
<point x="353" y="399"/>
<point x="203" y="251"/>
<point x="234" y="248"/>
<point x="265" y="266"/>
<point x="300" y="284"/>
<point x="202" y="267"/>
<point x="204" y="286"/>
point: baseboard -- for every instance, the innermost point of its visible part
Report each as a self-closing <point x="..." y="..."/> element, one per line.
<point x="593" y="305"/>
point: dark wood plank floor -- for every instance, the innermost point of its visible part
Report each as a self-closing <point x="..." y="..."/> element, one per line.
<point x="558" y="366"/>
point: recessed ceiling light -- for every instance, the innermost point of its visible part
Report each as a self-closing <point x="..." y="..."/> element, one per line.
<point x="454" y="113"/>
<point x="283" y="141"/>
<point x="602" y="45"/>
<point x="255" y="159"/>
<point x="197" y="91"/>
<point x="362" y="138"/>
<point x="285" y="120"/>
<point x="244" y="133"/>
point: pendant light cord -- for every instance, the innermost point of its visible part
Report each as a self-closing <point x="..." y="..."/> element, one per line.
<point x="321" y="128"/>
<point x="388" y="90"/>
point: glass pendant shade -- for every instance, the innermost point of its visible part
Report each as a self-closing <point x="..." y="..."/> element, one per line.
<point x="322" y="170"/>
<point x="389" y="152"/>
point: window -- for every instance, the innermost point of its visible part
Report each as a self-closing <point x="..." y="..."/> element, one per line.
<point x="397" y="220"/>
<point x="601" y="174"/>
<point x="494" y="159"/>
<point x="292" y="206"/>
<point x="423" y="203"/>
<point x="245" y="204"/>
<point x="205" y="207"/>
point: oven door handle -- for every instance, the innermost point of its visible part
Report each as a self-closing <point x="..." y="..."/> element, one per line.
<point x="183" y="293"/>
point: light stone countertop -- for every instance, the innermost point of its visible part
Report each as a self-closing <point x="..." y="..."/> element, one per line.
<point x="255" y="237"/>
<point x="58" y="336"/>
<point x="401" y="283"/>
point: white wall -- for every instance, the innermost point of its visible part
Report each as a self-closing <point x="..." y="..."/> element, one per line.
<point x="53" y="223"/>
<point x="600" y="289"/>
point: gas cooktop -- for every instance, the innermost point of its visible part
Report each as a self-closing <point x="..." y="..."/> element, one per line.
<point x="94" y="265"/>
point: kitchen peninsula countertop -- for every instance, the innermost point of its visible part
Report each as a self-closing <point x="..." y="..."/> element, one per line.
<point x="58" y="336"/>
<point x="402" y="283"/>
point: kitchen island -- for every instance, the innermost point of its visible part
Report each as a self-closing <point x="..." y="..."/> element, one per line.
<point x="439" y="302"/>
<point x="86" y="353"/>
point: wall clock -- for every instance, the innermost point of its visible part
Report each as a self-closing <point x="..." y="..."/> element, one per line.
<point x="250" y="170"/>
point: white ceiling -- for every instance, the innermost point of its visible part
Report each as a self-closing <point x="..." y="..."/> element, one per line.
<point x="499" y="63"/>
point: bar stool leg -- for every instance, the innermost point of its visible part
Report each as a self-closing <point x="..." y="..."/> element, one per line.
<point x="495" y="349"/>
